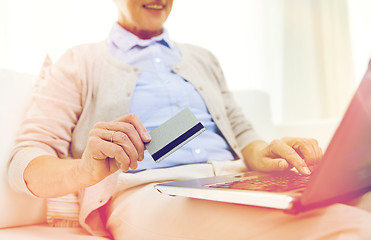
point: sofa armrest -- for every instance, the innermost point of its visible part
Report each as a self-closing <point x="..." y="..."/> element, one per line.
<point x="16" y="208"/>
<point x="257" y="108"/>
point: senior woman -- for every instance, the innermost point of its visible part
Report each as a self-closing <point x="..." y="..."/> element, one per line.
<point x="90" y="117"/>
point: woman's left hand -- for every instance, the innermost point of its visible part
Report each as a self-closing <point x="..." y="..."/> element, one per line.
<point x="279" y="155"/>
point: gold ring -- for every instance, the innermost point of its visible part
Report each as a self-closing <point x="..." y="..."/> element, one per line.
<point x="113" y="133"/>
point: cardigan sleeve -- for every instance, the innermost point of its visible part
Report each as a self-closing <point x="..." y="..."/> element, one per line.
<point x="50" y="120"/>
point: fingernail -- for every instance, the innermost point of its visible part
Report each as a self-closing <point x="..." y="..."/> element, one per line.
<point x="306" y="170"/>
<point x="141" y="157"/>
<point x="146" y="135"/>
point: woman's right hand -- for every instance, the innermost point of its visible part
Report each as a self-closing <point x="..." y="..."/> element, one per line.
<point x="114" y="145"/>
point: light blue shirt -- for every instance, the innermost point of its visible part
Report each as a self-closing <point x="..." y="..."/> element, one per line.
<point x="160" y="94"/>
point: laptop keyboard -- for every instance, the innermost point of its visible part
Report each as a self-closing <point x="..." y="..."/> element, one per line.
<point x="278" y="182"/>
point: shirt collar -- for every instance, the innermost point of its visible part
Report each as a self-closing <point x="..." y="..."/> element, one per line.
<point x="126" y="41"/>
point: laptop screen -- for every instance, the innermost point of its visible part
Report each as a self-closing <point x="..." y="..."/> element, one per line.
<point x="346" y="166"/>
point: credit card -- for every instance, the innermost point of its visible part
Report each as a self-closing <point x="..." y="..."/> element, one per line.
<point x="173" y="134"/>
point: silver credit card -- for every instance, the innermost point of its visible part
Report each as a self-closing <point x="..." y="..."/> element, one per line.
<point x="173" y="134"/>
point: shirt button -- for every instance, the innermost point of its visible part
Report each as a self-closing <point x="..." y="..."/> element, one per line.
<point x="157" y="60"/>
<point x="177" y="106"/>
<point x="217" y="117"/>
<point x="197" y="151"/>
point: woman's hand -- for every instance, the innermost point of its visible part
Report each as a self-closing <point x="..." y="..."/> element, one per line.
<point x="114" y="145"/>
<point x="279" y="155"/>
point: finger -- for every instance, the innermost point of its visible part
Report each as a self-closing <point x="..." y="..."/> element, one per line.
<point x="318" y="150"/>
<point x="125" y="128"/>
<point x="319" y="154"/>
<point x="281" y="149"/>
<point x="274" y="164"/>
<point x="130" y="149"/>
<point x="138" y="125"/>
<point x="113" y="165"/>
<point x="121" y="139"/>
<point x="116" y="152"/>
<point x="118" y="165"/>
<point x="121" y="132"/>
<point x="141" y="156"/>
<point x="103" y="149"/>
<point x="308" y="149"/>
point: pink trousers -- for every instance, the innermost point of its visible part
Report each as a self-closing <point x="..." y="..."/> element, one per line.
<point x="138" y="211"/>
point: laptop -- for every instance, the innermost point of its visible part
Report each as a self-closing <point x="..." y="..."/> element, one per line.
<point x="343" y="174"/>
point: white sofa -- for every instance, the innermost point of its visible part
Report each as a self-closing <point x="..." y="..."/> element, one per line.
<point x="24" y="217"/>
<point x="21" y="216"/>
<point x="256" y="106"/>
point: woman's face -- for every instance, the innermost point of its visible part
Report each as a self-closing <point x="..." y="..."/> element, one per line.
<point x="143" y="18"/>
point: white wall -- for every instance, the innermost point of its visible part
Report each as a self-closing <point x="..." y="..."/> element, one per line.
<point x="360" y="34"/>
<point x="232" y="30"/>
<point x="39" y="27"/>
<point x="4" y="34"/>
<point x="249" y="37"/>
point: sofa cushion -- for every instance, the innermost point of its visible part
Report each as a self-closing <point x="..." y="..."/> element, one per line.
<point x="15" y="93"/>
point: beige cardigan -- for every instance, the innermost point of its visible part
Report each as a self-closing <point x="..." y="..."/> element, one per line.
<point x="86" y="85"/>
